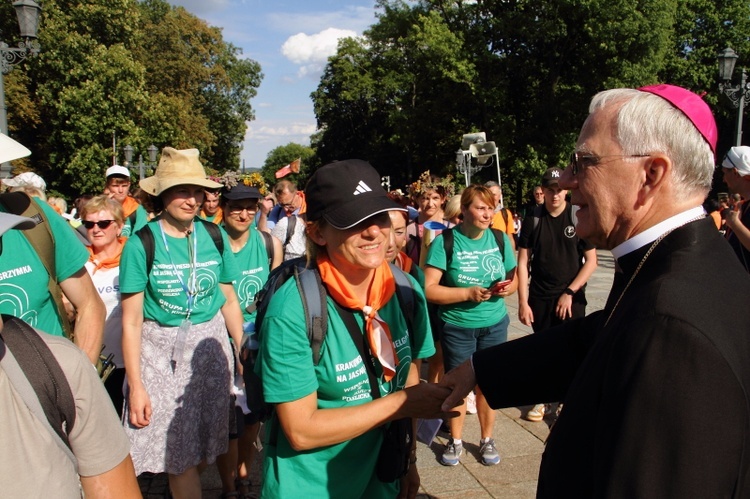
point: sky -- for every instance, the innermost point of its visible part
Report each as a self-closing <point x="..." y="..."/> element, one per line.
<point x="291" y="39"/>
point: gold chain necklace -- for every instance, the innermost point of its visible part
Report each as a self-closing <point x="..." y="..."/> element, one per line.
<point x="643" y="260"/>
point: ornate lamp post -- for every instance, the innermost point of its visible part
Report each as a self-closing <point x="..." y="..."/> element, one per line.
<point x="738" y="94"/>
<point x="128" y="150"/>
<point x="28" y="22"/>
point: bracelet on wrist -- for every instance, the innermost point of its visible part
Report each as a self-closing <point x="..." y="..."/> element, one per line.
<point x="569" y="292"/>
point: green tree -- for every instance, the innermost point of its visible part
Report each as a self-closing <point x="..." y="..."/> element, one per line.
<point x="144" y="71"/>
<point x="284" y="155"/>
<point x="523" y="71"/>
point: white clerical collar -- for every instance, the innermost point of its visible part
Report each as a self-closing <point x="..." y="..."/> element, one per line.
<point x="650" y="235"/>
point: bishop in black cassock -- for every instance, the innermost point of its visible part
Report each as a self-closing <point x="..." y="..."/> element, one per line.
<point x="655" y="386"/>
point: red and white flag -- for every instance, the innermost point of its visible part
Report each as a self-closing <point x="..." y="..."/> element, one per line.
<point x="292" y="167"/>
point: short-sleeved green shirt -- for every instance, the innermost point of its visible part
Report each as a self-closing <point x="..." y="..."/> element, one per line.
<point x="165" y="301"/>
<point x="475" y="263"/>
<point x="252" y="261"/>
<point x="340" y="379"/>
<point x="24" y="282"/>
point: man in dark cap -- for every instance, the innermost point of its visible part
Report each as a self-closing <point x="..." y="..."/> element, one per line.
<point x="560" y="263"/>
<point x="655" y="385"/>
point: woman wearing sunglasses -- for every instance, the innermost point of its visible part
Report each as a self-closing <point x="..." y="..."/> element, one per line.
<point x="103" y="220"/>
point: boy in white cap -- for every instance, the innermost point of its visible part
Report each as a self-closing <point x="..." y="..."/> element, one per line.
<point x="118" y="186"/>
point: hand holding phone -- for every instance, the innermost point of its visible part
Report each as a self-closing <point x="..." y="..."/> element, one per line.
<point x="499" y="286"/>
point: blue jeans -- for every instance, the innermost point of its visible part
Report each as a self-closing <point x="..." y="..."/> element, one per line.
<point x="459" y="343"/>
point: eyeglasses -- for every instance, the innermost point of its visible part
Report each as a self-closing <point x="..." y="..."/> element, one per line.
<point x="102" y="224"/>
<point x="237" y="210"/>
<point x="579" y="161"/>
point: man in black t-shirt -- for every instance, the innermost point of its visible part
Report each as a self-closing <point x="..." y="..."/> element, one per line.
<point x="560" y="264"/>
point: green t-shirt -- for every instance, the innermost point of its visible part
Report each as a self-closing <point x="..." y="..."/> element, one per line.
<point x="252" y="261"/>
<point x="286" y="365"/>
<point x="141" y="219"/>
<point x="475" y="263"/>
<point x="165" y="301"/>
<point x="24" y="290"/>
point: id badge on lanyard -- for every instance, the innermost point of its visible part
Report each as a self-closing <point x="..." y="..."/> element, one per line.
<point x="179" y="344"/>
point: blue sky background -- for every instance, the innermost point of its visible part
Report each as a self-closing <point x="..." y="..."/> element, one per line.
<point x="291" y="39"/>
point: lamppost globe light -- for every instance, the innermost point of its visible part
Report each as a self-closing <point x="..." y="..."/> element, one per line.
<point x="128" y="152"/>
<point x="28" y="17"/>
<point x="152" y="151"/>
<point x="727" y="60"/>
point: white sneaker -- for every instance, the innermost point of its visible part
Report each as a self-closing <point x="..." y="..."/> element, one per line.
<point x="536" y="413"/>
<point x="471" y="403"/>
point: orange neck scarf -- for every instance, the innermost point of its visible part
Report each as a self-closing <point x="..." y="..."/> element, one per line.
<point x="107" y="263"/>
<point x="217" y="219"/>
<point x="403" y="261"/>
<point x="129" y="206"/>
<point x="381" y="290"/>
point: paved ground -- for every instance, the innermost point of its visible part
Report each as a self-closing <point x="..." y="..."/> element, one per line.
<point x="520" y="442"/>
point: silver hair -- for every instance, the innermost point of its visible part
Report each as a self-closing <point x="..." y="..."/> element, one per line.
<point x="646" y="123"/>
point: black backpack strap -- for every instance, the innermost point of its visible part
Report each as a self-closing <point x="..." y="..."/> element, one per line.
<point x="149" y="245"/>
<point x="500" y="241"/>
<point x="269" y="246"/>
<point x="215" y="232"/>
<point x="313" y="295"/>
<point x="131" y="219"/>
<point x="448" y="247"/>
<point x="43" y="373"/>
<point x="290" y="226"/>
<point x="405" y="295"/>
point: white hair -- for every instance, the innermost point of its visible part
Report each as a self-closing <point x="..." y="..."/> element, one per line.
<point x="647" y="123"/>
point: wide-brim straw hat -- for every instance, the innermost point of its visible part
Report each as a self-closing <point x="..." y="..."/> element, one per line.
<point x="177" y="167"/>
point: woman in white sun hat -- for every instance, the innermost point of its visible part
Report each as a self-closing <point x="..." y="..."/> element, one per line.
<point x="176" y="313"/>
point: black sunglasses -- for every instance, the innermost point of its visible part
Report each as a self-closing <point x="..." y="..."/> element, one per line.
<point x="579" y="161"/>
<point x="103" y="224"/>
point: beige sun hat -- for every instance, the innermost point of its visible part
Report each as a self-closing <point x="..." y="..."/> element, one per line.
<point x="177" y="167"/>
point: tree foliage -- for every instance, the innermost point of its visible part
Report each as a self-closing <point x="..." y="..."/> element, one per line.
<point x="523" y="71"/>
<point x="147" y="72"/>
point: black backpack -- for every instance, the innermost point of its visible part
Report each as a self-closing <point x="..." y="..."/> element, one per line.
<point x="313" y="294"/>
<point x="147" y="239"/>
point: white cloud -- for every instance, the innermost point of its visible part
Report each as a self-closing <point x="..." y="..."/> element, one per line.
<point x="291" y="131"/>
<point x="311" y="52"/>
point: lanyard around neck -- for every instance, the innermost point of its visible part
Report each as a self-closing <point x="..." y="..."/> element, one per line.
<point x="190" y="288"/>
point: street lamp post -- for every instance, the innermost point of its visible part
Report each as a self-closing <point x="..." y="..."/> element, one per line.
<point x="128" y="151"/>
<point x="738" y="94"/>
<point x="27" y="12"/>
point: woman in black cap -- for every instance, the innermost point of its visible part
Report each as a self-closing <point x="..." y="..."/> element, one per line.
<point x="256" y="254"/>
<point x="330" y="416"/>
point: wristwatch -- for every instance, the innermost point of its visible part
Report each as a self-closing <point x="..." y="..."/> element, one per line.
<point x="569" y="291"/>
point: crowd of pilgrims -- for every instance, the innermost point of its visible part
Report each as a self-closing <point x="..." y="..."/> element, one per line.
<point x="192" y="298"/>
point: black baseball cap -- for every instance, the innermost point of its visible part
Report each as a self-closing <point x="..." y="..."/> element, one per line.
<point x="551" y="177"/>
<point x="240" y="191"/>
<point x="345" y="193"/>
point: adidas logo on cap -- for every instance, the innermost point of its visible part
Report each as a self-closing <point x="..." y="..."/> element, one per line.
<point x="361" y="188"/>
